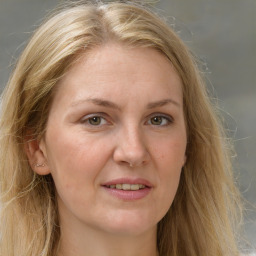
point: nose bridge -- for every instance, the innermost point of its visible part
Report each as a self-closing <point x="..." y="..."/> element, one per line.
<point x="131" y="146"/>
<point x="133" y="138"/>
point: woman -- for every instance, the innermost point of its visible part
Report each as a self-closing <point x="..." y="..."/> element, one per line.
<point x="110" y="145"/>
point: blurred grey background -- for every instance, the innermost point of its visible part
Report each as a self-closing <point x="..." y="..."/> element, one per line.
<point x="222" y="33"/>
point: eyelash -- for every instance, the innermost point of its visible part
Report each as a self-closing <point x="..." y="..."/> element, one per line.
<point x="89" y="119"/>
<point x="168" y="119"/>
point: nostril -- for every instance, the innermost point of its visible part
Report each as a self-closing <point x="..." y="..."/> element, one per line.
<point x="131" y="150"/>
<point x="133" y="164"/>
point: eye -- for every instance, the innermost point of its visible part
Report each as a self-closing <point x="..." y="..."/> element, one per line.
<point x="160" y="120"/>
<point x="94" y="120"/>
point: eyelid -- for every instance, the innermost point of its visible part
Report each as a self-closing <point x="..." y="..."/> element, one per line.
<point x="168" y="117"/>
<point x="84" y="119"/>
<point x="102" y="115"/>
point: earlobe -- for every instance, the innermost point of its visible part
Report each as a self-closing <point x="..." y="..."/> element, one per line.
<point x="36" y="157"/>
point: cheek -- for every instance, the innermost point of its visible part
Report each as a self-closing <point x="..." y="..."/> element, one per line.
<point x="173" y="161"/>
<point x="170" y="153"/>
<point x="76" y="165"/>
<point x="75" y="160"/>
<point x="169" y="157"/>
<point x="74" y="148"/>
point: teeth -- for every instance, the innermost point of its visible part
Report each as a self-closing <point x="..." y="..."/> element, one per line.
<point x="119" y="186"/>
<point x="135" y="187"/>
<point x="127" y="186"/>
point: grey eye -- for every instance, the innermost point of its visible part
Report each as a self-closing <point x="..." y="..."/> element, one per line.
<point x="95" y="120"/>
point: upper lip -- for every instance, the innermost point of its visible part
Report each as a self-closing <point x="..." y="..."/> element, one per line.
<point x="128" y="181"/>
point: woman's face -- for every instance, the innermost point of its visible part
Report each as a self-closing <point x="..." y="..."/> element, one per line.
<point x="116" y="139"/>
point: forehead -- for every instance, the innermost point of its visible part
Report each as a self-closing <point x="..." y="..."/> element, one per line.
<point x="123" y="69"/>
<point x="114" y="57"/>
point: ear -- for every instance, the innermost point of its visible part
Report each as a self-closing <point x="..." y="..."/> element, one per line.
<point x="36" y="154"/>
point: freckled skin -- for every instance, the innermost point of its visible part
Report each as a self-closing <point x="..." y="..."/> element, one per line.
<point x="81" y="157"/>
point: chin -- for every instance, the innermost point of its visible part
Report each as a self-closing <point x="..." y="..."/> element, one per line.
<point x="130" y="231"/>
<point x="130" y="224"/>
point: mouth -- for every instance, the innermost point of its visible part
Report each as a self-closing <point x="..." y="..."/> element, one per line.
<point x="128" y="189"/>
<point x="132" y="187"/>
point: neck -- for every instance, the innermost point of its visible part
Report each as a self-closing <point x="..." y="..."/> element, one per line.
<point x="89" y="242"/>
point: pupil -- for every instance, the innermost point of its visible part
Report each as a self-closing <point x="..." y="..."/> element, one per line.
<point x="157" y="120"/>
<point x="94" y="120"/>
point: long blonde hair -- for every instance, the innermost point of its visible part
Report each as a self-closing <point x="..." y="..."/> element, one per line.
<point x="202" y="219"/>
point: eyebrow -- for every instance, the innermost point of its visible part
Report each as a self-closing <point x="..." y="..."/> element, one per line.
<point x="99" y="102"/>
<point x="161" y="103"/>
<point x="110" y="104"/>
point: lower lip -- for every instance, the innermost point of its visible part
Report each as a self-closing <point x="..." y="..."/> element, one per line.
<point x="128" y="194"/>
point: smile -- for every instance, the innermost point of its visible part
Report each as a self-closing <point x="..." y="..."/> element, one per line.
<point x="133" y="187"/>
<point x="128" y="189"/>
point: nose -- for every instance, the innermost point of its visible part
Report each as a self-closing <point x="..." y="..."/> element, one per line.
<point x="131" y="148"/>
